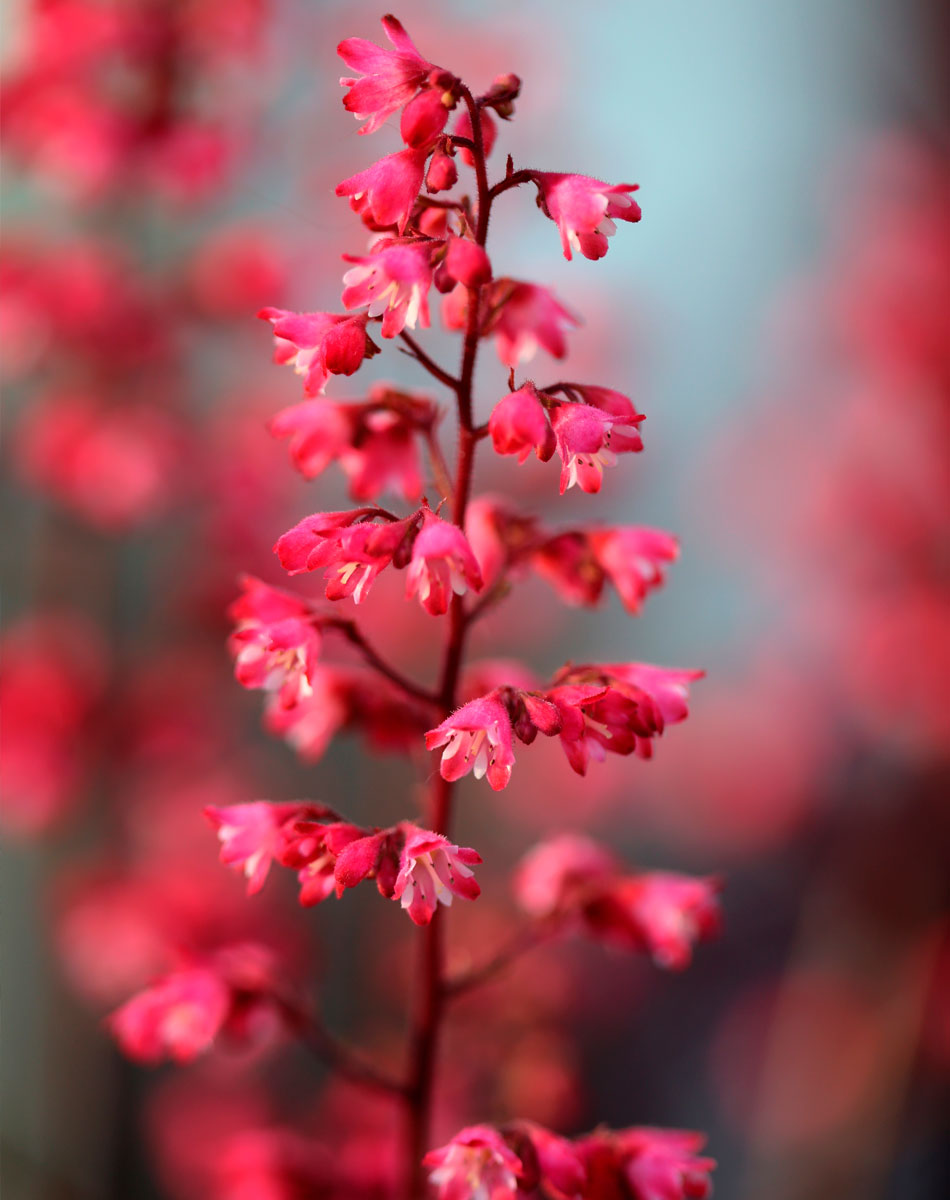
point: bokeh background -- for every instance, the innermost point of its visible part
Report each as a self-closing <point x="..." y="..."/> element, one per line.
<point x="781" y="316"/>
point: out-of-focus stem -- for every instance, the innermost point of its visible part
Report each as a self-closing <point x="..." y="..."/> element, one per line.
<point x="520" y="943"/>
<point x="353" y="634"/>
<point x="335" y="1054"/>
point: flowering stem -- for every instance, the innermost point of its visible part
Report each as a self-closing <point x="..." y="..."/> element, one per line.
<point x="440" y="467"/>
<point x="431" y="994"/>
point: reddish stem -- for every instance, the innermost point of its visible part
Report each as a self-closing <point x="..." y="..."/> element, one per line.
<point x="431" y="993"/>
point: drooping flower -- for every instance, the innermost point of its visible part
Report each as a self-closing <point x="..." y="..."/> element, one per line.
<point x="475" y="1165"/>
<point x="589" y="439"/>
<point x="478" y="738"/>
<point x="585" y="210"/>
<point x="463" y="128"/>
<point x="178" y="1017"/>
<point x="252" y="835"/>
<point x="276" y="643"/>
<point x="393" y="281"/>
<point x="388" y="189"/>
<point x="431" y="871"/>
<point x="662" y="1164"/>
<point x="523" y="317"/>
<point x="319" y="344"/>
<point x="424" y="117"/>
<point x="467" y="263"/>
<point x="391" y="77"/>
<point x="661" y="912"/>
<point x="442" y="564"/>
<point x="668" y="686"/>
<point x="519" y="424"/>
<point x="560" y="873"/>
<point x="579" y="562"/>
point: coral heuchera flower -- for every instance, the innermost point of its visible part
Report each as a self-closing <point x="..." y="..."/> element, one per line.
<point x="588" y="440"/>
<point x="431" y="871"/>
<point x="251" y="835"/>
<point x="276" y="644"/>
<point x="475" y="1165"/>
<point x="442" y="564"/>
<point x="394" y="283"/>
<point x="525" y="316"/>
<point x="391" y="77"/>
<point x="477" y="738"/>
<point x="389" y="188"/>
<point x="319" y="344"/>
<point x="585" y="210"/>
<point x="519" y="424"/>
<point x="669" y="913"/>
<point x="662" y="1164"/>
<point x="179" y="1017"/>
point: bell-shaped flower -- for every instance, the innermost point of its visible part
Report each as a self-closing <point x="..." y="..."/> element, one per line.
<point x="276" y="642"/>
<point x="319" y="434"/>
<point x="424" y="117"/>
<point x="633" y="558"/>
<point x="477" y="737"/>
<point x="442" y="563"/>
<point x="319" y="344"/>
<point x="393" y="281"/>
<point x="588" y="439"/>
<point x="390" y="80"/>
<point x="178" y="1017"/>
<point x="519" y="424"/>
<point x="663" y="1164"/>
<point x="523" y="317"/>
<point x="383" y="457"/>
<point x="463" y="128"/>
<point x="431" y="871"/>
<point x="668" y="686"/>
<point x="442" y="173"/>
<point x="664" y="913"/>
<point x="353" y="554"/>
<point x="467" y="263"/>
<point x="252" y="835"/>
<point x="476" y="1163"/>
<point x="585" y="210"/>
<point x="388" y="189"/>
<point x="560" y="873"/>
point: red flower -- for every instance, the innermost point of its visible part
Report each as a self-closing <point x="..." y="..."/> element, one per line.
<point x="388" y="189"/>
<point x="588" y="440"/>
<point x="252" y="835"/>
<point x="391" y="77"/>
<point x="276" y="644"/>
<point x="519" y="424"/>
<point x="477" y="737"/>
<point x="442" y="564"/>
<point x="524" y="316"/>
<point x="475" y="1163"/>
<point x="319" y="344"/>
<point x="431" y="871"/>
<point x="393" y="282"/>
<point x="585" y="210"/>
<point x="179" y="1017"/>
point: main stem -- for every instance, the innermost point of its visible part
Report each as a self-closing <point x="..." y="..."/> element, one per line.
<point x="431" y="990"/>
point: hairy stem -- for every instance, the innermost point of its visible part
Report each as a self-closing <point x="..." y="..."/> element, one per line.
<point x="431" y="990"/>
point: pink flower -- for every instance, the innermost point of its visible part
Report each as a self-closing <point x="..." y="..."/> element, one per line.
<point x="668" y="686"/>
<point x="585" y="210"/>
<point x="394" y="282"/>
<point x="663" y="913"/>
<point x="431" y="871"/>
<point x="391" y="77"/>
<point x="318" y="853"/>
<point x="477" y="737"/>
<point x="388" y="189"/>
<point x="559" y="1165"/>
<point x="558" y="873"/>
<point x="661" y="1164"/>
<point x="319" y="344"/>
<point x="524" y="316"/>
<point x="467" y="263"/>
<point x="353" y="555"/>
<point x="578" y="562"/>
<point x="442" y="173"/>
<point x="442" y="564"/>
<point x="519" y="424"/>
<point x="599" y="714"/>
<point x="374" y="444"/>
<point x="424" y="117"/>
<point x="312" y="723"/>
<point x="276" y="644"/>
<point x="588" y="440"/>
<point x="632" y="557"/>
<point x="475" y="1165"/>
<point x="178" y="1017"/>
<point x="252" y="836"/>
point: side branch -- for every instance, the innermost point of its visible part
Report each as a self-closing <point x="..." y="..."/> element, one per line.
<point x="515" y="179"/>
<point x="351" y="631"/>
<point x="415" y="351"/>
<point x="520" y="943"/>
<point x="336" y="1055"/>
